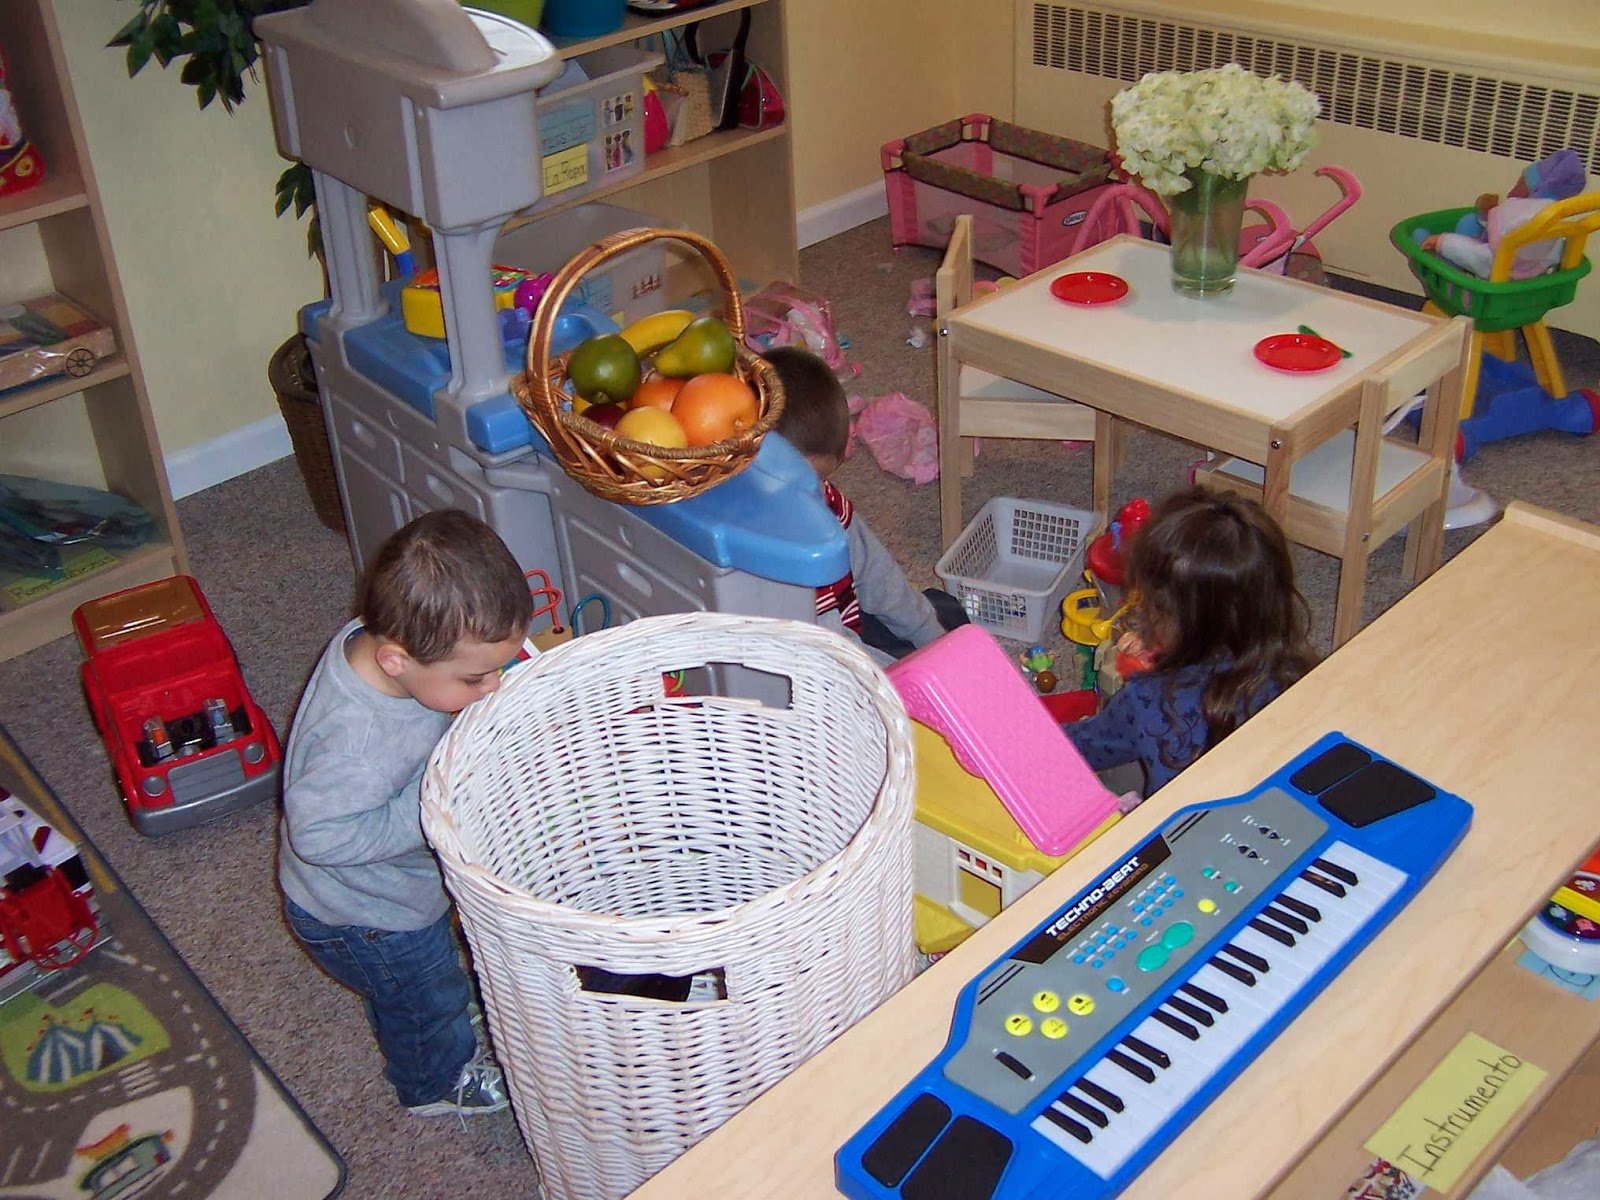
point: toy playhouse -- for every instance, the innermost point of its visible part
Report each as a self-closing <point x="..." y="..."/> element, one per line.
<point x="1027" y="191"/>
<point x="418" y="423"/>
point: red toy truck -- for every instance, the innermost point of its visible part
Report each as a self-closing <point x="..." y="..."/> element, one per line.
<point x="188" y="742"/>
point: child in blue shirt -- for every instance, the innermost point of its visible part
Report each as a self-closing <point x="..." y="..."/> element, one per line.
<point x="1226" y="626"/>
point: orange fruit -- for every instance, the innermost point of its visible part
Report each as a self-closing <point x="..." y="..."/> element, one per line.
<point x="715" y="406"/>
<point x="656" y="392"/>
<point x="654" y="426"/>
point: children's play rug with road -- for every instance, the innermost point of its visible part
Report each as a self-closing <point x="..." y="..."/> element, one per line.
<point x="119" y="1075"/>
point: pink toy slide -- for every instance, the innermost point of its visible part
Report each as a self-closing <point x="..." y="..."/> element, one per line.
<point x="965" y="687"/>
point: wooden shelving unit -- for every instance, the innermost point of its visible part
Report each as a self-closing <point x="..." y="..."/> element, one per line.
<point x="735" y="186"/>
<point x="66" y="210"/>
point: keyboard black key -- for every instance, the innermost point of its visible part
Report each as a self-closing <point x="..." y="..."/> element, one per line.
<point x="1062" y="1121"/>
<point x="1343" y="874"/>
<point x="1132" y="1066"/>
<point x="1100" y="1095"/>
<point x="900" y="1145"/>
<point x="1285" y="918"/>
<point x="1239" y="973"/>
<point x="1248" y="957"/>
<point x="1323" y="882"/>
<point x="1147" y="1052"/>
<point x="1276" y="932"/>
<point x="1178" y="1024"/>
<point x="967" y="1161"/>
<point x="1210" y="999"/>
<point x="1193" y="1011"/>
<point x="1084" y="1109"/>
<point x="1309" y="912"/>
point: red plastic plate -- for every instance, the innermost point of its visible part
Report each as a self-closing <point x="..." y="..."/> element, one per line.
<point x="1089" y="287"/>
<point x="1297" y="353"/>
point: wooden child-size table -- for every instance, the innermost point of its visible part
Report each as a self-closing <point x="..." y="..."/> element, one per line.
<point x="1187" y="368"/>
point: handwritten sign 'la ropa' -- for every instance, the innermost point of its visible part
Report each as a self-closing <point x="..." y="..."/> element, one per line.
<point x="1444" y="1125"/>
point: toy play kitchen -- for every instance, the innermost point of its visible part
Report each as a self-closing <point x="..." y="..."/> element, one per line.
<point x="427" y="112"/>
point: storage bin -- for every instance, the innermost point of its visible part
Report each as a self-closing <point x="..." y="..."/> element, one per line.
<point x="754" y="853"/>
<point x="583" y="18"/>
<point x="625" y="288"/>
<point x="591" y="122"/>
<point x="1012" y="566"/>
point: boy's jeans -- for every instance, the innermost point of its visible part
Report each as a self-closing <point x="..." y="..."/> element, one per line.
<point x="416" y="993"/>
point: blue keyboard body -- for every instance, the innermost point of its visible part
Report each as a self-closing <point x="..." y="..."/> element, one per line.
<point x="1081" y="1054"/>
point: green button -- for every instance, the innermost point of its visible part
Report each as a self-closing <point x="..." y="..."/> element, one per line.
<point x="1152" y="958"/>
<point x="1231" y="886"/>
<point x="1177" y="935"/>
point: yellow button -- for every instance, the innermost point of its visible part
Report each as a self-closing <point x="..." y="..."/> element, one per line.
<point x="1018" y="1025"/>
<point x="1207" y="906"/>
<point x="1046" y="1002"/>
<point x="1080" y="1005"/>
<point x="1053" y="1028"/>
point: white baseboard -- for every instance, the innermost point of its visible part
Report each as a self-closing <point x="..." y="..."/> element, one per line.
<point x="822" y="221"/>
<point x="267" y="440"/>
<point x="221" y="458"/>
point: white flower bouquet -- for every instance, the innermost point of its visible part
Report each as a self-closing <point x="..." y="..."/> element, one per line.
<point x="1226" y="120"/>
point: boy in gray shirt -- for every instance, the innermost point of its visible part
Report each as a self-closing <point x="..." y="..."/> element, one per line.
<point x="874" y="602"/>
<point x="442" y="608"/>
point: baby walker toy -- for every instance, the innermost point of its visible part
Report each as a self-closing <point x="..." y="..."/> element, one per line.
<point x="1504" y="397"/>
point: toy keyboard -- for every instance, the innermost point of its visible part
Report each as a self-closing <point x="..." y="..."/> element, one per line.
<point x="1077" y="1057"/>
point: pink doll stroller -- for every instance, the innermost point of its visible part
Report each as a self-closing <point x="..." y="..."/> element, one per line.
<point x="1271" y="244"/>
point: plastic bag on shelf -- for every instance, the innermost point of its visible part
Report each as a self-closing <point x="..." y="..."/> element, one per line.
<point x="39" y="517"/>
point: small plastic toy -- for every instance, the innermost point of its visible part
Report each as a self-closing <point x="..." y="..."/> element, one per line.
<point x="1107" y="554"/>
<point x="48" y="912"/>
<point x="187" y="741"/>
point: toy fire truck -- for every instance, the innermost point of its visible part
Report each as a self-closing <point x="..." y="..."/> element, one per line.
<point x="188" y="742"/>
<point x="47" y="907"/>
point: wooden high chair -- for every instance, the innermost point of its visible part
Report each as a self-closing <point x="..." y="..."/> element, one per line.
<point x="1346" y="501"/>
<point x="974" y="403"/>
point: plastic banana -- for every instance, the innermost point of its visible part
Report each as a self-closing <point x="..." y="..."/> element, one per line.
<point x="649" y="334"/>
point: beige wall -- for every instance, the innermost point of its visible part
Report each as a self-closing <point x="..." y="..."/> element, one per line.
<point x="212" y="278"/>
<point x="864" y="72"/>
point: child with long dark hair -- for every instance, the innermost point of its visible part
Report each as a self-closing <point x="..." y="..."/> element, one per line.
<point x="1219" y="613"/>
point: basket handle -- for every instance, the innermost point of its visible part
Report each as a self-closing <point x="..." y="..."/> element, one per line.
<point x="540" y="389"/>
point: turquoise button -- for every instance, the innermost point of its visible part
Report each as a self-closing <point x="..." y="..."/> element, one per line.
<point x="1179" y="934"/>
<point x="1152" y="958"/>
<point x="1209" y="872"/>
<point x="1230" y="886"/>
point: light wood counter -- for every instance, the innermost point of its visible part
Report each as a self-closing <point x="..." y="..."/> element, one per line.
<point x="1484" y="680"/>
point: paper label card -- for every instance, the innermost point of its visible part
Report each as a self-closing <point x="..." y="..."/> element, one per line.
<point x="1442" y="1127"/>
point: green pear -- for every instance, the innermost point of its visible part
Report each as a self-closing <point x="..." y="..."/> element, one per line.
<point x="705" y="346"/>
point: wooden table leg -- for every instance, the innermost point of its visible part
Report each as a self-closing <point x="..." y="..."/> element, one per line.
<point x="1441" y="419"/>
<point x="949" y="399"/>
<point x="1105" y="460"/>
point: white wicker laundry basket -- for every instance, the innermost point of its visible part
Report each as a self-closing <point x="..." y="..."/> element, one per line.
<point x="585" y="819"/>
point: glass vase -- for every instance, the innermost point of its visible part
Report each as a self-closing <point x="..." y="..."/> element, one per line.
<point x="1206" y="220"/>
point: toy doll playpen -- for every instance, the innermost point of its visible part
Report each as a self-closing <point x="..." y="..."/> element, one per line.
<point x="674" y="898"/>
<point x="1027" y="191"/>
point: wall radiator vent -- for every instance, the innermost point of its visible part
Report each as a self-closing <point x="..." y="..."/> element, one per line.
<point x="1510" y="118"/>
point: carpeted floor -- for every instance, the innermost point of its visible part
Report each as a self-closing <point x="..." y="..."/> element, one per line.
<point x="280" y="584"/>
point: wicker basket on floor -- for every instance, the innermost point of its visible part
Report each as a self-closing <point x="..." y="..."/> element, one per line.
<point x="585" y="819"/>
<point x="618" y="468"/>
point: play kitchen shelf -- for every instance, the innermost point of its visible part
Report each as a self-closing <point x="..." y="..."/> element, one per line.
<point x="65" y="210"/>
<point x="735" y="186"/>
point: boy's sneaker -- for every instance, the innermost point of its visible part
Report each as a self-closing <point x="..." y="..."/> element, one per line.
<point x="479" y="1090"/>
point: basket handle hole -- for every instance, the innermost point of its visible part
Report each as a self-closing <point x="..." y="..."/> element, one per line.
<point x="700" y="988"/>
<point x="731" y="681"/>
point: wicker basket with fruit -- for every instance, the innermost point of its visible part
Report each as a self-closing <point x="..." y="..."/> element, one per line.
<point x="671" y="406"/>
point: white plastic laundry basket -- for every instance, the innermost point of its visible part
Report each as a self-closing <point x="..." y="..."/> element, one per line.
<point x="585" y="819"/>
<point x="1012" y="566"/>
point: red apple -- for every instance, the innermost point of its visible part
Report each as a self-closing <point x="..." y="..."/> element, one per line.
<point x="605" y="414"/>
